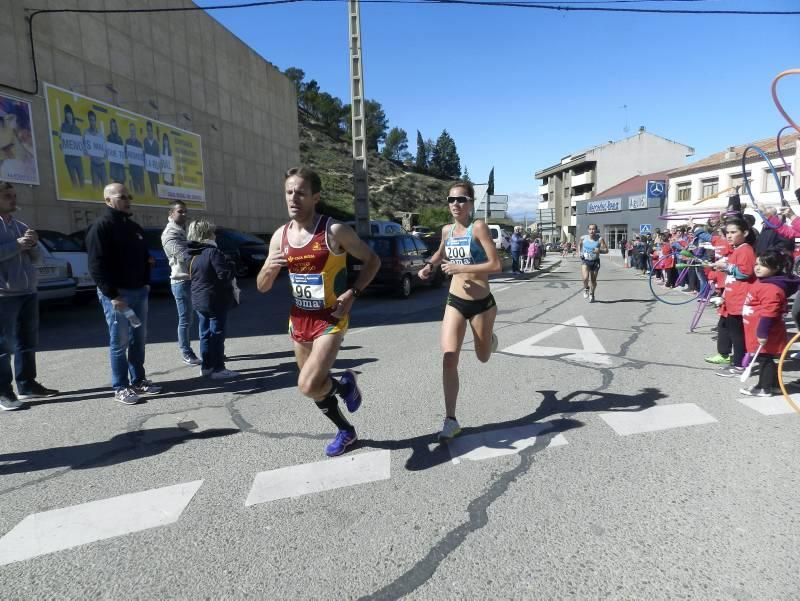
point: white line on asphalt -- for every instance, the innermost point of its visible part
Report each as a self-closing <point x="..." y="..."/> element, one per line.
<point x="776" y="405"/>
<point x="592" y="352"/>
<point x="661" y="417"/>
<point x="503" y="288"/>
<point x="59" y="529"/>
<point x="496" y="443"/>
<point x="359" y="330"/>
<point x="308" y="478"/>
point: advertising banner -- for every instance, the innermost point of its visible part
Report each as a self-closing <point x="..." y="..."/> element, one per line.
<point x="604" y="206"/>
<point x="637" y="202"/>
<point x="95" y="143"/>
<point x="17" y="146"/>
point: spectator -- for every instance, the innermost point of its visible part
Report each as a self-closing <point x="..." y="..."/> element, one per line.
<point x="516" y="249"/>
<point x="19" y="305"/>
<point x="173" y="239"/>
<point x="213" y="295"/>
<point x="120" y="265"/>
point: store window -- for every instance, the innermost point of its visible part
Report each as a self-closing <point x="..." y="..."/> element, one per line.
<point x="614" y="234"/>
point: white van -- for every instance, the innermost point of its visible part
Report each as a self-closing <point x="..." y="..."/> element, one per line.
<point x="502" y="239"/>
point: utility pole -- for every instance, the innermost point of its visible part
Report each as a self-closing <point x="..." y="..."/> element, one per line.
<point x="359" y="130"/>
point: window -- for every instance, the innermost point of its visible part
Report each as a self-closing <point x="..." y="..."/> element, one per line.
<point x="684" y="191"/>
<point x="422" y="248"/>
<point x="566" y="211"/>
<point x="710" y="187"/>
<point x="769" y="180"/>
<point x="409" y="248"/>
<point x="736" y="180"/>
<point x="381" y="246"/>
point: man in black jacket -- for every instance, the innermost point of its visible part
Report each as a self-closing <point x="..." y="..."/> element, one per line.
<point x="120" y="264"/>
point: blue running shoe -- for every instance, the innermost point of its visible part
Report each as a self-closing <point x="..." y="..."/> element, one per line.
<point x="352" y="395"/>
<point x="344" y="438"/>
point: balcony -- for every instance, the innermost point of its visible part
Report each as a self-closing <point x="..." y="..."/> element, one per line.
<point x="583" y="179"/>
<point x="544" y="189"/>
<point x="573" y="221"/>
<point x="584" y="196"/>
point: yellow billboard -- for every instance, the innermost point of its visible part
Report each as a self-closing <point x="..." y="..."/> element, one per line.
<point x="94" y="143"/>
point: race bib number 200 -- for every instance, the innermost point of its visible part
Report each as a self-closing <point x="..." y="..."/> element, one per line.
<point x="308" y="290"/>
<point x="458" y="251"/>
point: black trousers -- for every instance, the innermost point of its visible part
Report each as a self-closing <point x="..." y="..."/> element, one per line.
<point x="768" y="376"/>
<point x="671" y="275"/>
<point x="730" y="337"/>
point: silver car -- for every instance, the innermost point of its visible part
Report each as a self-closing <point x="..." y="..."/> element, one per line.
<point x="55" y="277"/>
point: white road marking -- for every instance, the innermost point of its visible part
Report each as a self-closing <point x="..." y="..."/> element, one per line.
<point x="359" y="330"/>
<point x="653" y="419"/>
<point x="60" y="529"/>
<point x="592" y="352"/>
<point x="305" y="479"/>
<point x="503" y="288"/>
<point x="775" y="405"/>
<point x="496" y="443"/>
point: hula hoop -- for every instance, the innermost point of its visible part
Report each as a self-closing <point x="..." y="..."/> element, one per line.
<point x="653" y="290"/>
<point x="687" y="216"/>
<point x="785" y="352"/>
<point x="777" y="102"/>
<point x="780" y="152"/>
<point x="750" y="191"/>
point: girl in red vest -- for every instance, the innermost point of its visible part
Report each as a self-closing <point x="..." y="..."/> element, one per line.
<point x="738" y="270"/>
<point x="762" y="314"/>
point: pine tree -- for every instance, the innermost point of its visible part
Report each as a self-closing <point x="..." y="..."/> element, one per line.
<point x="396" y="144"/>
<point x="465" y="175"/>
<point x="490" y="187"/>
<point x="445" y="161"/>
<point x="421" y="162"/>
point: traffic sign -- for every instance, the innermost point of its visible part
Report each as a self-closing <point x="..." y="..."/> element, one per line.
<point x="656" y="188"/>
<point x="645" y="229"/>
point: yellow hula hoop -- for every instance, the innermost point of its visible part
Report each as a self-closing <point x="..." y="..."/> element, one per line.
<point x="785" y="352"/>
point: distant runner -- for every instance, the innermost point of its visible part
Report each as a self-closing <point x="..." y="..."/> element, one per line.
<point x="592" y="246"/>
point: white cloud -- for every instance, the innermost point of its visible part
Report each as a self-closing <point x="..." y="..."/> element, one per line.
<point x="520" y="203"/>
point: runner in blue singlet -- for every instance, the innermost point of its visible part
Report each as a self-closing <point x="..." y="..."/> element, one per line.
<point x="468" y="253"/>
<point x="591" y="247"/>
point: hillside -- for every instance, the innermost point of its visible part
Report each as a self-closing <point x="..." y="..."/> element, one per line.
<point x="392" y="189"/>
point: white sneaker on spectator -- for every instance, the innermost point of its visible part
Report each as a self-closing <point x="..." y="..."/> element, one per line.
<point x="9" y="401"/>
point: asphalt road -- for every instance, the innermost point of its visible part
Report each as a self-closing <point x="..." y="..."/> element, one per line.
<point x="600" y="459"/>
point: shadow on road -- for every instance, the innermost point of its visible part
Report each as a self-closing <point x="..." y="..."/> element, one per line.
<point x="423" y="457"/>
<point x="120" y="448"/>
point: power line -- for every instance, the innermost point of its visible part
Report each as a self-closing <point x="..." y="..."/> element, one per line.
<point x="562" y="6"/>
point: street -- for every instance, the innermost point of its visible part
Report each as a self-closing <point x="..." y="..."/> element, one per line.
<point x="600" y="458"/>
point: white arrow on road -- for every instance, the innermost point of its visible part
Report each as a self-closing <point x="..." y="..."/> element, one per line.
<point x="592" y="351"/>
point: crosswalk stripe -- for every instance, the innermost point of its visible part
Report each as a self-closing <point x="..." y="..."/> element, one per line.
<point x="775" y="405"/>
<point x="308" y="478"/>
<point x="59" y="529"/>
<point x="660" y="417"/>
<point x="496" y="443"/>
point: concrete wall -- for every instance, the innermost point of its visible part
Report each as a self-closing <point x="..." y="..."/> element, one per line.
<point x="186" y="63"/>
<point x="636" y="155"/>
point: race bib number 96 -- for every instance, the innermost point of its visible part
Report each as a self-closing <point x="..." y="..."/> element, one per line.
<point x="458" y="251"/>
<point x="308" y="290"/>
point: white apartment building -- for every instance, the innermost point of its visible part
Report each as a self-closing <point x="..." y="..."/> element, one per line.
<point x="581" y="175"/>
<point x="706" y="184"/>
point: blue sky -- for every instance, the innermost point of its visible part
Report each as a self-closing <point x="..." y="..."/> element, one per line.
<point x="519" y="88"/>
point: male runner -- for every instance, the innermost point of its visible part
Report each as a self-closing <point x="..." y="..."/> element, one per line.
<point x="314" y="247"/>
<point x="591" y="245"/>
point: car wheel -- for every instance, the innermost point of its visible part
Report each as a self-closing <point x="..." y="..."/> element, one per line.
<point x="405" y="286"/>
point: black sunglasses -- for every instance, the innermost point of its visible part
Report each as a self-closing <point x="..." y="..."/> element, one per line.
<point x="459" y="199"/>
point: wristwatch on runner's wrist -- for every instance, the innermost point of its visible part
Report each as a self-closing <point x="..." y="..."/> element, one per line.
<point x="356" y="292"/>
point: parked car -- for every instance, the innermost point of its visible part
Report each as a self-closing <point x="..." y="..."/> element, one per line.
<point x="55" y="277"/>
<point x="421" y="230"/>
<point x="381" y="228"/>
<point x="159" y="265"/>
<point x="64" y="247"/>
<point x="247" y="251"/>
<point x="402" y="258"/>
<point x="502" y="238"/>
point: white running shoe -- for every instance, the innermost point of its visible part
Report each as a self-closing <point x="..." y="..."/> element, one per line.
<point x="450" y="429"/>
<point x="494" y="342"/>
<point x="585" y="293"/>
<point x="10" y="402"/>
<point x="591" y="298"/>
<point x="224" y="374"/>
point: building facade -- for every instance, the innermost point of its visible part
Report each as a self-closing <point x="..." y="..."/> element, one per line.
<point x="579" y="176"/>
<point x="706" y="184"/>
<point x="210" y="101"/>
<point x="629" y="209"/>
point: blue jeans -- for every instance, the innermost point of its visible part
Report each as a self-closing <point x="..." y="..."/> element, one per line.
<point x="212" y="339"/>
<point x="182" y="291"/>
<point x="126" y="350"/>
<point x="514" y="262"/>
<point x="19" y="333"/>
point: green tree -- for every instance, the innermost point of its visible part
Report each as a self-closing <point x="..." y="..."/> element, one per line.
<point x="421" y="161"/>
<point x="309" y="92"/>
<point x="376" y="124"/>
<point x="330" y="112"/>
<point x="465" y="175"/>
<point x="490" y="187"/>
<point x="445" y="161"/>
<point x="296" y="76"/>
<point x="429" y="145"/>
<point x="396" y="145"/>
<point x="434" y="216"/>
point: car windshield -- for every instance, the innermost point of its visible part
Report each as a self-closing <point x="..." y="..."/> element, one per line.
<point x="56" y="242"/>
<point x="381" y="246"/>
<point x="241" y="237"/>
